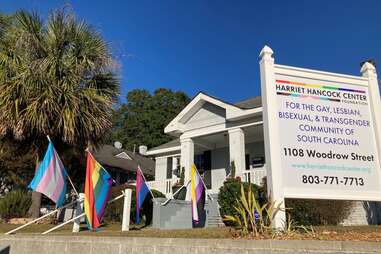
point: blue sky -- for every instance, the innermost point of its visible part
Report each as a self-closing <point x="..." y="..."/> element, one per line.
<point x="213" y="45"/>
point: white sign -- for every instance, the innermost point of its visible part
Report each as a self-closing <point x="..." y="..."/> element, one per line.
<point x="327" y="141"/>
<point x="322" y="133"/>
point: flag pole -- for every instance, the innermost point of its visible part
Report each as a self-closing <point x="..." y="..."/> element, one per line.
<point x="202" y="180"/>
<point x="68" y="177"/>
<point x="72" y="185"/>
<point x="153" y="197"/>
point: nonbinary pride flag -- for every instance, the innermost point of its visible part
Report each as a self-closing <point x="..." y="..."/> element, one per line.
<point x="50" y="178"/>
<point x="197" y="195"/>
<point x="141" y="193"/>
<point x="97" y="190"/>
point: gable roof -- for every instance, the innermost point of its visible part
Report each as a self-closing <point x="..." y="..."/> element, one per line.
<point x="109" y="156"/>
<point x="234" y="112"/>
<point x="173" y="143"/>
<point x="250" y="103"/>
<point x="123" y="155"/>
<point x="253" y="102"/>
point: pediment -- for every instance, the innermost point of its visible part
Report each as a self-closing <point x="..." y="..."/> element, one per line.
<point x="209" y="114"/>
<point x="204" y="110"/>
<point x="123" y="155"/>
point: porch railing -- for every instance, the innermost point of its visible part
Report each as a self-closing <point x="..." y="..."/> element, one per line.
<point x="164" y="186"/>
<point x="254" y="175"/>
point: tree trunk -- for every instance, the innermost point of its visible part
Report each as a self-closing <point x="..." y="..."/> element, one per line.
<point x="34" y="210"/>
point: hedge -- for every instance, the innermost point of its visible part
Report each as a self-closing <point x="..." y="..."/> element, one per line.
<point x="312" y="211"/>
<point x="15" y="204"/>
<point x="318" y="212"/>
<point x="229" y="193"/>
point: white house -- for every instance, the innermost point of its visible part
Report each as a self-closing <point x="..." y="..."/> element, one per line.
<point x="212" y="133"/>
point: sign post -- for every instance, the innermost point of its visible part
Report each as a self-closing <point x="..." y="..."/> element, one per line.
<point x="271" y="134"/>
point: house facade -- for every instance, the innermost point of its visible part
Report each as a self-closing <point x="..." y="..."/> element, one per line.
<point x="212" y="134"/>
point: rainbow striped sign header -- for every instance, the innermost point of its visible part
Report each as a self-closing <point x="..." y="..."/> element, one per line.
<point x="320" y="86"/>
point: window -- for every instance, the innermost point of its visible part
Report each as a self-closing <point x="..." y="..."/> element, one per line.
<point x="199" y="162"/>
<point x="258" y="162"/>
<point x="169" y="167"/>
<point x="203" y="164"/>
<point x="247" y="161"/>
<point x="176" y="170"/>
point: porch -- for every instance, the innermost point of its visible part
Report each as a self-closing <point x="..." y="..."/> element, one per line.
<point x="254" y="175"/>
<point x="212" y="154"/>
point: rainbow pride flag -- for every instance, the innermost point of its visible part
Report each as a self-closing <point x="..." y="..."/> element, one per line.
<point x="50" y="178"/>
<point x="197" y="195"/>
<point x="97" y="190"/>
<point x="141" y="193"/>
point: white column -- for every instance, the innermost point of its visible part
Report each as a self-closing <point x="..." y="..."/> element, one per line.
<point x="187" y="160"/>
<point x="369" y="71"/>
<point x="78" y="211"/>
<point x="271" y="137"/>
<point x="126" y="210"/>
<point x="187" y="156"/>
<point x="237" y="150"/>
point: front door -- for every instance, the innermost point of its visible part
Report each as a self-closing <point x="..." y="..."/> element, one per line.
<point x="203" y="164"/>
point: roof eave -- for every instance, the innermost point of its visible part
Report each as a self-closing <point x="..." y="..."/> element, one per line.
<point x="164" y="150"/>
<point x="234" y="115"/>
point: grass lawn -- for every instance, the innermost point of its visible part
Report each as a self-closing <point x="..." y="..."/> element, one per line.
<point x="340" y="233"/>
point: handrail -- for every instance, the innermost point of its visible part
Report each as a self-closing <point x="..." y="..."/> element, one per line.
<point x="185" y="186"/>
<point x="40" y="218"/>
<point x="77" y="217"/>
<point x="167" y="201"/>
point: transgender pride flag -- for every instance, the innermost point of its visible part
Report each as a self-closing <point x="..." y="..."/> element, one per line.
<point x="50" y="178"/>
<point x="198" y="195"/>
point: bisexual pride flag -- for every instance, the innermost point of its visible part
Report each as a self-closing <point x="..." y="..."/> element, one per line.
<point x="141" y="193"/>
<point x="197" y="195"/>
<point x="97" y="190"/>
<point x="50" y="178"/>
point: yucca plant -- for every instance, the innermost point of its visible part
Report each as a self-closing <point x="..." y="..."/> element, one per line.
<point x="252" y="218"/>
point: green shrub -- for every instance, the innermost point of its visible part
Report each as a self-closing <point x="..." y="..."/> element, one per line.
<point x="114" y="211"/>
<point x="228" y="195"/>
<point x="15" y="204"/>
<point x="317" y="212"/>
<point x="313" y="212"/>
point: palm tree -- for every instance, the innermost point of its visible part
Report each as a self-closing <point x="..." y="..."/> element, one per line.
<point x="56" y="78"/>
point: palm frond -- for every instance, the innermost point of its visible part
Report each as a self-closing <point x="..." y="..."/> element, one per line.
<point x="55" y="79"/>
